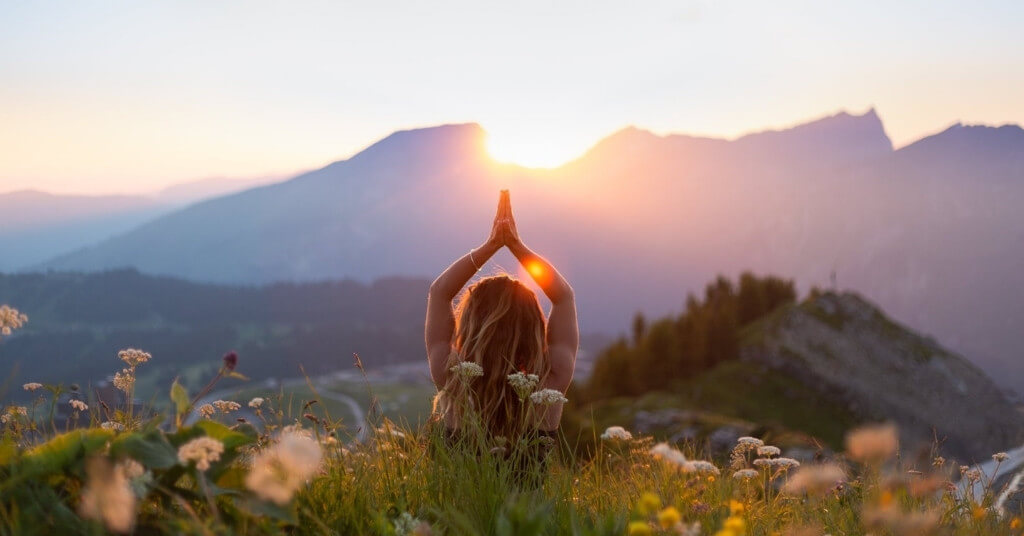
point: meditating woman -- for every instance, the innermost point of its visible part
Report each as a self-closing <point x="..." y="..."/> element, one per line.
<point x="500" y="367"/>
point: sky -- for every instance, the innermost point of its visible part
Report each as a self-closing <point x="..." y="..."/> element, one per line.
<point x="129" y="96"/>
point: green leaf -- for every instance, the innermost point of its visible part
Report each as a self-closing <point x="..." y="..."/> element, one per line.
<point x="179" y="396"/>
<point x="63" y="450"/>
<point x="229" y="437"/>
<point x="151" y="449"/>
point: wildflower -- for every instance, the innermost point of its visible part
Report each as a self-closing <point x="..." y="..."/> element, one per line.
<point x="939" y="461"/>
<point x="872" y="443"/>
<point x="12" y="413"/>
<point x="107" y="496"/>
<point x="749" y="441"/>
<point x="202" y="450"/>
<point x="1016" y="523"/>
<point x="230" y="361"/>
<point x="639" y="528"/>
<point x="972" y="475"/>
<point x="134" y="357"/>
<point x="131" y="468"/>
<point x="206" y="411"/>
<point x="78" y="405"/>
<point x="124" y="380"/>
<point x="735" y="507"/>
<point x="111" y="425"/>
<point x="814" y="479"/>
<point x="616" y="433"/>
<point x="662" y="451"/>
<point x="745" y="474"/>
<point x="546" y="397"/>
<point x="768" y="451"/>
<point x="701" y="467"/>
<point x="32" y="386"/>
<point x="693" y="529"/>
<point x="648" y="503"/>
<point x="1000" y="457"/>
<point x="279" y="471"/>
<point x="523" y="383"/>
<point x="226" y="406"/>
<point x="467" y="370"/>
<point x="668" y="517"/>
<point x="256" y="402"/>
<point x="407" y="525"/>
<point x="10" y="320"/>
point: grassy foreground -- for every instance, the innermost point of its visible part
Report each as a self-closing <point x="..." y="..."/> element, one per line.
<point x="120" y="472"/>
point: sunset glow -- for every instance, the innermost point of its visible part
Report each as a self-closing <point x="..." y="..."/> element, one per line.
<point x="533" y="150"/>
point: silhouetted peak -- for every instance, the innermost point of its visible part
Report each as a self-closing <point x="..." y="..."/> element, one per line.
<point x="1003" y="139"/>
<point x="463" y="139"/>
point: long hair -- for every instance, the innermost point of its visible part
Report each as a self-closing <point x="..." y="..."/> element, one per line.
<point x="498" y="325"/>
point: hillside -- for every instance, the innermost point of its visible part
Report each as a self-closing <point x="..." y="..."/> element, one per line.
<point x="800" y="375"/>
<point x="78" y="323"/>
<point x="853" y="356"/>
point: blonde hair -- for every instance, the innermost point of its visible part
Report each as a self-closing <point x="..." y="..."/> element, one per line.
<point x="498" y="325"/>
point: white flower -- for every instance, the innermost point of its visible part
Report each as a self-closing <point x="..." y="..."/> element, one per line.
<point x="78" y="405"/>
<point x="750" y="441"/>
<point x="665" y="452"/>
<point x="872" y="443"/>
<point x="616" y="433"/>
<point x="133" y="357"/>
<point x="13" y="412"/>
<point x="777" y="463"/>
<point x="523" y="383"/>
<point x="767" y="451"/>
<point x="256" y="402"/>
<point x="131" y="468"/>
<point x="815" y="479"/>
<point x="280" y="470"/>
<point x="745" y="474"/>
<point x="701" y="467"/>
<point x="1000" y="457"/>
<point x="32" y="386"/>
<point x="111" y="425"/>
<point x="202" y="450"/>
<point x="206" y="411"/>
<point x="124" y="380"/>
<point x="467" y="370"/>
<point x="107" y="496"/>
<point x="546" y="397"/>
<point x="226" y="406"/>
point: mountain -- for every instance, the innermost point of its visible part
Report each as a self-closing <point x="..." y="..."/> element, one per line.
<point x="932" y="231"/>
<point x="853" y="356"/>
<point x="38" y="225"/>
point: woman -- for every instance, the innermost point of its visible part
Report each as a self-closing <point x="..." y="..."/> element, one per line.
<point x="496" y="331"/>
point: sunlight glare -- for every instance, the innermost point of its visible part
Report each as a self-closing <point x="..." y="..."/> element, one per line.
<point x="532" y="150"/>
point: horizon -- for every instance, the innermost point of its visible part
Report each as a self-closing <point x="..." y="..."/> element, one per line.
<point x="111" y="100"/>
<point x="268" y="178"/>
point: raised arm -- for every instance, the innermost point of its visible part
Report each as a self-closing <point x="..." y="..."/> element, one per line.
<point x="440" y="323"/>
<point x="563" y="332"/>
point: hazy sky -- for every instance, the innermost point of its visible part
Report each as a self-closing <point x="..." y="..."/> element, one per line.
<point x="131" y="96"/>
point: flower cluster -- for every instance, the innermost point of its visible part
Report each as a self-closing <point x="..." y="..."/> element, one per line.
<point x="280" y="470"/>
<point x="206" y="411"/>
<point x="815" y="479"/>
<point x="32" y="386"/>
<point x="12" y="413"/>
<point x="616" y="433"/>
<point x="133" y="357"/>
<point x="202" y="450"/>
<point x="113" y="426"/>
<point x="547" y="397"/>
<point x="467" y="370"/>
<point x="10" y="320"/>
<point x="226" y="406"/>
<point x="124" y="380"/>
<point x="523" y="383"/>
<point x="872" y="444"/>
<point x="256" y="402"/>
<point x="78" y="405"/>
<point x="777" y="463"/>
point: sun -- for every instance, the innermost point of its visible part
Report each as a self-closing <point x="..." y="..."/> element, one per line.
<point x="531" y="149"/>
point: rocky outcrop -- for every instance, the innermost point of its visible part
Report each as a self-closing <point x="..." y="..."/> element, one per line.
<point x="852" y="354"/>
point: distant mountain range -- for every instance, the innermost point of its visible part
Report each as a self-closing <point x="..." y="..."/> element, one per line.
<point x="933" y="231"/>
<point x="39" y="225"/>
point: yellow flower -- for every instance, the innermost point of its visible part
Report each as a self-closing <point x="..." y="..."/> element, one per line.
<point x="886" y="498"/>
<point x="734" y="524"/>
<point x="639" y="528"/>
<point x="711" y="478"/>
<point x="1015" y="523"/>
<point x="648" y="504"/>
<point x="724" y="532"/>
<point x="668" y="517"/>
<point x="735" y="507"/>
<point x="979" y="512"/>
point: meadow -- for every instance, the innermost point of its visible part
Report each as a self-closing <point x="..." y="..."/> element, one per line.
<point x="285" y="464"/>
